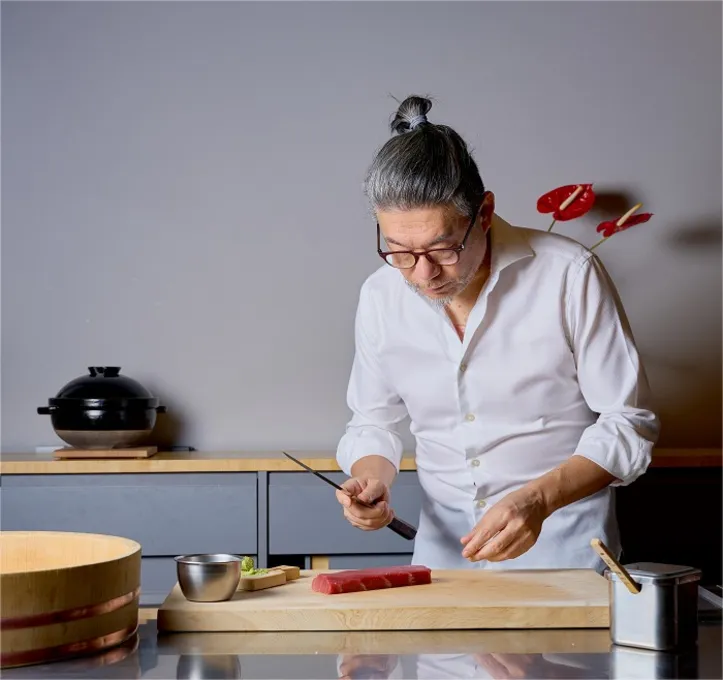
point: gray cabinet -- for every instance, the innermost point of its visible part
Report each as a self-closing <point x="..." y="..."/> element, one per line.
<point x="305" y="518"/>
<point x="168" y="514"/>
<point x="290" y="514"/>
<point x="158" y="576"/>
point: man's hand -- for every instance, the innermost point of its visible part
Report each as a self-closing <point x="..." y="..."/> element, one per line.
<point x="367" y="490"/>
<point x="515" y="521"/>
<point x="509" y="529"/>
<point x="367" y="666"/>
<point x="502" y="666"/>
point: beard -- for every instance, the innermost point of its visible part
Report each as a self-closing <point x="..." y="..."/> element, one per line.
<point x="438" y="302"/>
<point x="457" y="286"/>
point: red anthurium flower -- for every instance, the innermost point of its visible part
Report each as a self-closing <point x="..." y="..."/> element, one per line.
<point x="562" y="209"/>
<point x="607" y="229"/>
<point x="610" y="227"/>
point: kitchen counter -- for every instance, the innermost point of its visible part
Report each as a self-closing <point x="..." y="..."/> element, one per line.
<point x="263" y="461"/>
<point x="179" y="502"/>
<point x="426" y="654"/>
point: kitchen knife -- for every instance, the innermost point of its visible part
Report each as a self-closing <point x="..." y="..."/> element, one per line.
<point x="397" y="525"/>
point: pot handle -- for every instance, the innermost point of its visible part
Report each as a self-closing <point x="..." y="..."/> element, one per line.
<point x="160" y="409"/>
<point x="46" y="410"/>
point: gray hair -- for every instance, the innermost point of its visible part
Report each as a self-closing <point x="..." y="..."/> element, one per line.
<point x="424" y="165"/>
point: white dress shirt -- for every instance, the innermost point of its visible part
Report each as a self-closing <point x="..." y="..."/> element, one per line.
<point x="439" y="666"/>
<point x="547" y="369"/>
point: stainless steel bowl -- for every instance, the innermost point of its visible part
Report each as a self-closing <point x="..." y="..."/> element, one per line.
<point x="208" y="578"/>
<point x="208" y="666"/>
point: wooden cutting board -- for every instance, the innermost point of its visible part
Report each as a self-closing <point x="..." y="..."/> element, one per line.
<point x="542" y="641"/>
<point x="461" y="599"/>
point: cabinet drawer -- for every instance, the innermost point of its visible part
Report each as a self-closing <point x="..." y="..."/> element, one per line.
<point x="158" y="576"/>
<point x="306" y="519"/>
<point x="168" y="514"/>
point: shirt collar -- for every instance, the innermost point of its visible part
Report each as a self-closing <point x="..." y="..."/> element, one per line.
<point x="508" y="245"/>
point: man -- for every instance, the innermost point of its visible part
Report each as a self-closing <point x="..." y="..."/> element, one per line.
<point x="510" y="353"/>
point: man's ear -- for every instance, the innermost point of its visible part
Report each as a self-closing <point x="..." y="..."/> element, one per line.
<point x="487" y="209"/>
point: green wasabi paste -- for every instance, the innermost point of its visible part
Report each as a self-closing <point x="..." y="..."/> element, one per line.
<point x="247" y="567"/>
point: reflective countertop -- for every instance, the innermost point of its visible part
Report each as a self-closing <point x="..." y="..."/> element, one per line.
<point x="585" y="653"/>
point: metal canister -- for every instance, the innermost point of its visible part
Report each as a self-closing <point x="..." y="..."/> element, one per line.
<point x="663" y="616"/>
<point x="630" y="663"/>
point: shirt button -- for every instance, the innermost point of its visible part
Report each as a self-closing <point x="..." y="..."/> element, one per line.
<point x="475" y="463"/>
<point x="481" y="504"/>
<point x="469" y="417"/>
<point x="463" y="367"/>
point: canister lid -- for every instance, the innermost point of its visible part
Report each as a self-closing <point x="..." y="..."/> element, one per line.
<point x="656" y="572"/>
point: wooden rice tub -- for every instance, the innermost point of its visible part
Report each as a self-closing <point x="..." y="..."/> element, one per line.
<point x="65" y="594"/>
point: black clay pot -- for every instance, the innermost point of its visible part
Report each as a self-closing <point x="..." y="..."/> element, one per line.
<point x="103" y="410"/>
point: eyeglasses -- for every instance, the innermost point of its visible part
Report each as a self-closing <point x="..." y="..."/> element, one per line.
<point x="406" y="259"/>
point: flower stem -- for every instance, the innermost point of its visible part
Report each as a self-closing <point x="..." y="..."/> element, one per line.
<point x="598" y="243"/>
<point x="551" y="225"/>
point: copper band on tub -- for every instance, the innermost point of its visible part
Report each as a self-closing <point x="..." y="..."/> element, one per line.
<point x="35" y="656"/>
<point x="48" y="618"/>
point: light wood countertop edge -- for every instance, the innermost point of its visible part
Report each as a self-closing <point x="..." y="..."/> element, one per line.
<point x="266" y="461"/>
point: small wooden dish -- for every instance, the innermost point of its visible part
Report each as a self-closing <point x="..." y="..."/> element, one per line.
<point x="273" y="577"/>
<point x="292" y="573"/>
<point x="276" y="576"/>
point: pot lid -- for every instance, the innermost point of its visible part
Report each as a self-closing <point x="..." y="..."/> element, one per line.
<point x="103" y="382"/>
<point x="655" y="572"/>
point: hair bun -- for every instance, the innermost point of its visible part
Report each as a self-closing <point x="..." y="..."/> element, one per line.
<point x="412" y="112"/>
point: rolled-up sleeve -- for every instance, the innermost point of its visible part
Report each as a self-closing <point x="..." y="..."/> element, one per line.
<point x="611" y="376"/>
<point x="376" y="409"/>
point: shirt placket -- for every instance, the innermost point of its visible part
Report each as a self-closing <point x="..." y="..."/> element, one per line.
<point x="468" y="384"/>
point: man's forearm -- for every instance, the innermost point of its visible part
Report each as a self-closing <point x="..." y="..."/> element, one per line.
<point x="375" y="467"/>
<point x="571" y="481"/>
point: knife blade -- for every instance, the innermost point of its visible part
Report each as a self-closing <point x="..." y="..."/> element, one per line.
<point x="397" y="525"/>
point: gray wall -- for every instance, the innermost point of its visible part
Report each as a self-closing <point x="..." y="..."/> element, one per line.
<point x="182" y="190"/>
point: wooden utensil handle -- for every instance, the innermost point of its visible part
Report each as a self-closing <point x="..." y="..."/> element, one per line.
<point x="398" y="526"/>
<point x="602" y="550"/>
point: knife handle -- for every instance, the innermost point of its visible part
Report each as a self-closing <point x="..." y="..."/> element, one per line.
<point x="399" y="526"/>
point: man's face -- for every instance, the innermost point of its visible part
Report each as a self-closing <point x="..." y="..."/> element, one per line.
<point x="421" y="229"/>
